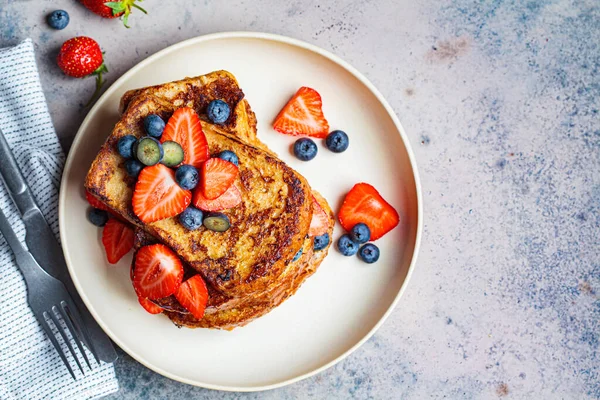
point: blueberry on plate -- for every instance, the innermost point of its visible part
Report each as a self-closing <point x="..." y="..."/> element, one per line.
<point x="173" y="153"/>
<point x="133" y="168"/>
<point x="217" y="222"/>
<point x="305" y="149"/>
<point x="191" y="218"/>
<point x="125" y="146"/>
<point x="360" y="233"/>
<point x="297" y="256"/>
<point x="58" y="19"/>
<point x="337" y="141"/>
<point x="321" y="242"/>
<point x="98" y="217"/>
<point x="187" y="177"/>
<point x="149" y="151"/>
<point x="347" y="246"/>
<point x="369" y="253"/>
<point x="154" y="125"/>
<point x="230" y="156"/>
<point x="218" y="111"/>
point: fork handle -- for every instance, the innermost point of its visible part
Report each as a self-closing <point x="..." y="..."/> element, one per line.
<point x="15" y="183"/>
<point x="24" y="260"/>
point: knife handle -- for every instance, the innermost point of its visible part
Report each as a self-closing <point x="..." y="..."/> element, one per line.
<point x="14" y="181"/>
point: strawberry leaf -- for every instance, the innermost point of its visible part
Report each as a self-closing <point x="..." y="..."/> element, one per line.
<point x="116" y="6"/>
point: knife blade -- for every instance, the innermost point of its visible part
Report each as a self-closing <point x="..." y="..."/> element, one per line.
<point x="45" y="248"/>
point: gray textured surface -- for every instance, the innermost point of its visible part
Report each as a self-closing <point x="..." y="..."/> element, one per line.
<point x="500" y="101"/>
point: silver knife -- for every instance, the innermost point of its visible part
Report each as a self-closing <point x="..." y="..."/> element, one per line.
<point x="45" y="249"/>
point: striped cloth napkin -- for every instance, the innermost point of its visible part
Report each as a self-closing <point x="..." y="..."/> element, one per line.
<point x="30" y="367"/>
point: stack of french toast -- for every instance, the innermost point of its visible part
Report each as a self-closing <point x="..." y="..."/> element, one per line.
<point x="267" y="253"/>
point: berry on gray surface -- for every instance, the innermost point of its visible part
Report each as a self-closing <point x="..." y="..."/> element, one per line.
<point x="346" y="245"/>
<point x="337" y="141"/>
<point x="305" y="149"/>
<point x="191" y="218"/>
<point x="58" y="19"/>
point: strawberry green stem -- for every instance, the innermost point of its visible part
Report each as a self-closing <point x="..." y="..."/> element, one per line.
<point x="99" y="83"/>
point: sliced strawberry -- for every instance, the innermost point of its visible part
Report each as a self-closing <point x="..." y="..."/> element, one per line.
<point x="149" y="306"/>
<point x="157" y="195"/>
<point x="217" y="176"/>
<point x="184" y="128"/>
<point x="193" y="295"/>
<point x="158" y="272"/>
<point x="117" y="239"/>
<point x="303" y="115"/>
<point x="363" y="203"/>
<point x="94" y="202"/>
<point x="231" y="198"/>
<point x="319" y="224"/>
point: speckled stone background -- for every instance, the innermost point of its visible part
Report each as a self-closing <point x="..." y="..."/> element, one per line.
<point x="500" y="100"/>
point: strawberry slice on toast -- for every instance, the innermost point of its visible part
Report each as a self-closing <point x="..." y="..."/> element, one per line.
<point x="184" y="128"/>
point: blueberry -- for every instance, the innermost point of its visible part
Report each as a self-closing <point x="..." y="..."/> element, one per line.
<point x="58" y="19"/>
<point x="218" y="111"/>
<point x="360" y="233"/>
<point x="191" y="218"/>
<point x="125" y="146"/>
<point x="173" y="153"/>
<point x="133" y="167"/>
<point x="297" y="256"/>
<point x="187" y="177"/>
<point x="337" y="141"/>
<point x="321" y="242"/>
<point x="369" y="253"/>
<point x="98" y="217"/>
<point x="154" y="125"/>
<point x="217" y="222"/>
<point x="230" y="156"/>
<point x="149" y="151"/>
<point x="305" y="149"/>
<point x="347" y="246"/>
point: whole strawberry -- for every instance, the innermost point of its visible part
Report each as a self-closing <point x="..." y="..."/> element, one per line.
<point x="80" y="57"/>
<point x="112" y="9"/>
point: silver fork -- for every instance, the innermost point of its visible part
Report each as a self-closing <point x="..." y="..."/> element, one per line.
<point x="49" y="300"/>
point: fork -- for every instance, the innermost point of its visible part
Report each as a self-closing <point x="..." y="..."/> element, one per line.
<point x="48" y="299"/>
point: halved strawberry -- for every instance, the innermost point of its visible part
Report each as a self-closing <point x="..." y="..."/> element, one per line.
<point x="149" y="306"/>
<point x="217" y="176"/>
<point x="94" y="202"/>
<point x="303" y="115"/>
<point x="231" y="198"/>
<point x="184" y="128"/>
<point x="157" y="195"/>
<point x="158" y="272"/>
<point x="319" y="224"/>
<point x="193" y="295"/>
<point x="363" y="203"/>
<point x="117" y="239"/>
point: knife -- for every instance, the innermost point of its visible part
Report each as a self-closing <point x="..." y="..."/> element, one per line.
<point x="44" y="247"/>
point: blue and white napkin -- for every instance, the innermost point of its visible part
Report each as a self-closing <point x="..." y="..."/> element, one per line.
<point x="30" y="367"/>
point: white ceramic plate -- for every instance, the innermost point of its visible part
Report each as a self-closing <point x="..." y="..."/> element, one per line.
<point x="338" y="308"/>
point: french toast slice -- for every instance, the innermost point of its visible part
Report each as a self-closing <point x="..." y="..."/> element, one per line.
<point x="267" y="228"/>
<point x="238" y="312"/>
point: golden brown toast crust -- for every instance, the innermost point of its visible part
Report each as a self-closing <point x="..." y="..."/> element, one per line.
<point x="268" y="227"/>
<point x="239" y="312"/>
